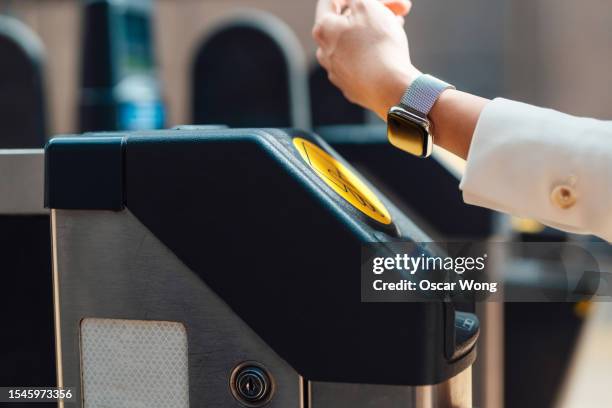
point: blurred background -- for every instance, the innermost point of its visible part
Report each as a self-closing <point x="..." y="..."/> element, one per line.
<point x="554" y="53"/>
<point x="69" y="66"/>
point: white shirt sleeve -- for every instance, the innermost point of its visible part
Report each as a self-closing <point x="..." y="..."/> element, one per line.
<point x="542" y="164"/>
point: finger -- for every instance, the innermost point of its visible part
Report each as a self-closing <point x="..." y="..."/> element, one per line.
<point x="364" y="7"/>
<point x="334" y="81"/>
<point x="327" y="30"/>
<point x="356" y="5"/>
<point x="322" y="58"/>
<point x="326" y="7"/>
<point x="398" y="7"/>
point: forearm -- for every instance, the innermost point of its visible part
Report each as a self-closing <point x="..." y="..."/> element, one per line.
<point x="454" y="117"/>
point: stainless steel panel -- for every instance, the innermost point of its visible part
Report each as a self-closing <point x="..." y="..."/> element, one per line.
<point x="453" y="393"/>
<point x="108" y="265"/>
<point x="489" y="366"/>
<point x="22" y="181"/>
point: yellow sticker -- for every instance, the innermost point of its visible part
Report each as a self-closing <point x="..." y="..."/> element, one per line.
<point x="342" y="180"/>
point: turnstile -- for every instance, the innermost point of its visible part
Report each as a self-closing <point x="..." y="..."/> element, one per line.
<point x="428" y="191"/>
<point x="220" y="268"/>
<point x="119" y="84"/>
<point x="514" y="330"/>
<point x="250" y="53"/>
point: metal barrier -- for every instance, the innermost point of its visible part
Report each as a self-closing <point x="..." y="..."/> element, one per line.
<point x="165" y="299"/>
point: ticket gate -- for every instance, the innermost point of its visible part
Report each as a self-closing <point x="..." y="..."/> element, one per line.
<point x="515" y="330"/>
<point x="26" y="346"/>
<point x="119" y="85"/>
<point x="220" y="268"/>
<point x="251" y="53"/>
<point x="428" y="191"/>
<point x="22" y="104"/>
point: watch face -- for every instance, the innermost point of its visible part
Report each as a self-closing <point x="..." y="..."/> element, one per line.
<point x="409" y="132"/>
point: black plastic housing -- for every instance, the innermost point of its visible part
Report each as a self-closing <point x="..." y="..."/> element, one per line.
<point x="244" y="211"/>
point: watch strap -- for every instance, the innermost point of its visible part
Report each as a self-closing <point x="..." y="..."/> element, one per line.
<point x="423" y="93"/>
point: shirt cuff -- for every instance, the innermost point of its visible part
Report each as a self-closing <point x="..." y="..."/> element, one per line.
<point x="542" y="164"/>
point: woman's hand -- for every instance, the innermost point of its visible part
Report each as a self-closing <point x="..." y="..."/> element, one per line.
<point x="364" y="48"/>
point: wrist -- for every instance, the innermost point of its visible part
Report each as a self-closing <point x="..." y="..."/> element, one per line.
<point x="410" y="127"/>
<point x="395" y="86"/>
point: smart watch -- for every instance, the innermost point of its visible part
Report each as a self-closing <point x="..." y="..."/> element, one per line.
<point x="408" y="127"/>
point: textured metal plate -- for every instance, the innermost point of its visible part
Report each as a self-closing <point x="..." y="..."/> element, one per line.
<point x="135" y="362"/>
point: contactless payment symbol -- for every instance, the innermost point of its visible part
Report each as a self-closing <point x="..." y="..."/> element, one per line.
<point x="342" y="180"/>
